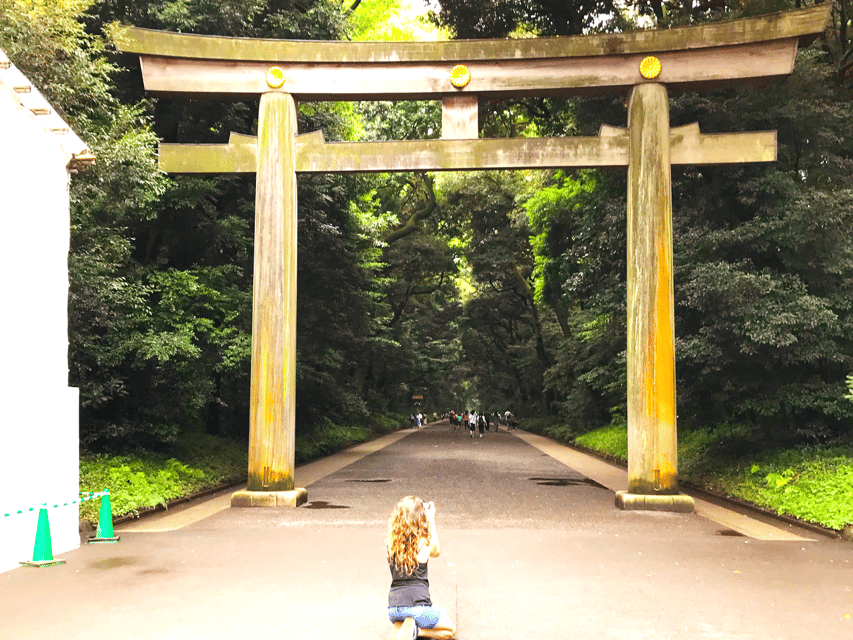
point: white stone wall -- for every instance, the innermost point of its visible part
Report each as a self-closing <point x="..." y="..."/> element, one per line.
<point x="39" y="417"/>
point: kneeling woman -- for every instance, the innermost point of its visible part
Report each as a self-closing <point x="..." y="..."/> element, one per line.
<point x="412" y="540"/>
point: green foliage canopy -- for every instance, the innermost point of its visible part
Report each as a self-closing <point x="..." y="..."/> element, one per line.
<point x="493" y="288"/>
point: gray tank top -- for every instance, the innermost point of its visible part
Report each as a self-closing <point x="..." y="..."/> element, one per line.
<point x="409" y="590"/>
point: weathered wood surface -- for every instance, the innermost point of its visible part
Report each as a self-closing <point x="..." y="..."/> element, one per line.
<point x="460" y="117"/>
<point x="802" y="24"/>
<point x="458" y="155"/>
<point x="689" y="146"/>
<point x="652" y="453"/>
<point x="697" y="69"/>
<point x="272" y="444"/>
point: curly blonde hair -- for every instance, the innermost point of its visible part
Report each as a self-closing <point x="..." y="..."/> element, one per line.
<point x="407" y="526"/>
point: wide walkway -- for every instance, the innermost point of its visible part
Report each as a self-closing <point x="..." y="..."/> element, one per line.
<point x="533" y="548"/>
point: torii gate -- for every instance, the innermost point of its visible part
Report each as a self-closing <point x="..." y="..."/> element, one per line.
<point x="460" y="73"/>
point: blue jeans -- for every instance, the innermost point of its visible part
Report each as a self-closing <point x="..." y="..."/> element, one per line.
<point x="425" y="617"/>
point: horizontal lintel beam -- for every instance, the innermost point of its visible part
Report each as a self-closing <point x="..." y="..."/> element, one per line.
<point x="610" y="149"/>
<point x="694" y="69"/>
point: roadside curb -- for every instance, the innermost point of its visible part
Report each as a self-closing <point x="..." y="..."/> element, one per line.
<point x="720" y="498"/>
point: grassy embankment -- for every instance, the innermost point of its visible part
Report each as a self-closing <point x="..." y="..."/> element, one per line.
<point x="194" y="463"/>
<point x="813" y="483"/>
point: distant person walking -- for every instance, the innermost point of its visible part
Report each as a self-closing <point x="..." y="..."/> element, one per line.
<point x="481" y="422"/>
<point x="411" y="541"/>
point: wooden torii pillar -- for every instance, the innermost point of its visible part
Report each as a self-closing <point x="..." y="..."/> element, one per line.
<point x="460" y="73"/>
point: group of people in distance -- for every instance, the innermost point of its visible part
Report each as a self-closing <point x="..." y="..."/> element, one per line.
<point x="482" y="421"/>
<point x="420" y="419"/>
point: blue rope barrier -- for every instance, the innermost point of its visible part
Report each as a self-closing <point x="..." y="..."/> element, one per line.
<point x="85" y="495"/>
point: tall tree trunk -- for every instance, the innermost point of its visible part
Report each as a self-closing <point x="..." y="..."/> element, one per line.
<point x="542" y="353"/>
<point x="562" y="317"/>
<point x="536" y="321"/>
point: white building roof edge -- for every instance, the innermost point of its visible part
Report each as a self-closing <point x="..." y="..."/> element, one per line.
<point x="31" y="99"/>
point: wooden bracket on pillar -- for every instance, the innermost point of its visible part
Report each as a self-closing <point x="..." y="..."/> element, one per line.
<point x="689" y="146"/>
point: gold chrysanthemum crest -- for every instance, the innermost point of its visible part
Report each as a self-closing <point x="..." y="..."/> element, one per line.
<point x="650" y="67"/>
<point x="460" y="76"/>
<point x="275" y="77"/>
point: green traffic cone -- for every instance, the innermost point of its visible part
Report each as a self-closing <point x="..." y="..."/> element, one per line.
<point x="43" y="549"/>
<point x="105" y="533"/>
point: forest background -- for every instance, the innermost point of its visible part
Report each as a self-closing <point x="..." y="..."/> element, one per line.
<point x="483" y="290"/>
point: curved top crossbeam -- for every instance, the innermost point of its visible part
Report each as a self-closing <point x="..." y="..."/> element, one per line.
<point x="699" y="57"/>
<point x="802" y="24"/>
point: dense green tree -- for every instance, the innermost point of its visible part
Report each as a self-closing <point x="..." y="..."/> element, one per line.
<point x="415" y="340"/>
<point x="414" y="333"/>
<point x="764" y="271"/>
<point x="107" y="301"/>
<point x="501" y="18"/>
<point x="762" y="259"/>
<point x="578" y="223"/>
<point x="495" y="288"/>
<point x="160" y="306"/>
<point x="507" y="343"/>
<point x="334" y="299"/>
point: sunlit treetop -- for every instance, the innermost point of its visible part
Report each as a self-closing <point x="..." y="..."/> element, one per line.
<point x="392" y="20"/>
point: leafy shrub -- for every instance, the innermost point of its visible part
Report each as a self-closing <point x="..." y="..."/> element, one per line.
<point x="611" y="440"/>
<point x="701" y="451"/>
<point x="136" y="481"/>
<point x="548" y="426"/>
<point x="559" y="432"/>
<point x="387" y="422"/>
<point x="221" y="460"/>
<point x="328" y="439"/>
<point x="146" y="479"/>
<point x="810" y="483"/>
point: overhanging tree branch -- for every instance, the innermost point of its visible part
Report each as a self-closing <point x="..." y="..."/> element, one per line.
<point x="413" y="223"/>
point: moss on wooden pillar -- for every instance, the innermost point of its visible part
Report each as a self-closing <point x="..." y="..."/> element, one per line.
<point x="652" y="454"/>
<point x="273" y="399"/>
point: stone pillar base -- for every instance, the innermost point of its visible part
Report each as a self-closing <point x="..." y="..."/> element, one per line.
<point x="269" y="498"/>
<point x="678" y="503"/>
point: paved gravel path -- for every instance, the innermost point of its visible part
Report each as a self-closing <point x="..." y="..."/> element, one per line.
<point x="532" y="550"/>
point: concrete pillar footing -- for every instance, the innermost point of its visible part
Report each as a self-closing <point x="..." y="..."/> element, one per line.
<point x="678" y="503"/>
<point x="280" y="499"/>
